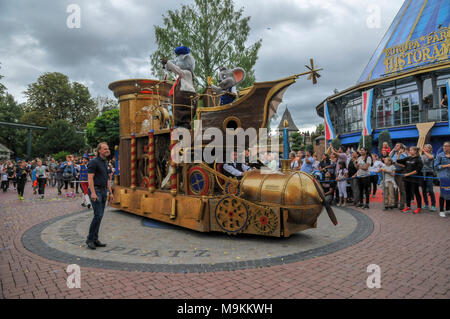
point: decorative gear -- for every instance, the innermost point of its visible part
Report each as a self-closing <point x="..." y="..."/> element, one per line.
<point x="264" y="220"/>
<point x="231" y="189"/>
<point x="199" y="181"/>
<point x="231" y="215"/>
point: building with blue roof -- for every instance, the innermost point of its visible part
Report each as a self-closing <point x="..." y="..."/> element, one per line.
<point x="408" y="73"/>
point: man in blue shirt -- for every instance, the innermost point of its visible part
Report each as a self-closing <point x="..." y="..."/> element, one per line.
<point x="308" y="161"/>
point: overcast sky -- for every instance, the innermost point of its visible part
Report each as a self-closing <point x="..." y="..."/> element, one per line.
<point x="116" y="38"/>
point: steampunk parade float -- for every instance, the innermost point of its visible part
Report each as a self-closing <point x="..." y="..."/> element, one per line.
<point x="200" y="196"/>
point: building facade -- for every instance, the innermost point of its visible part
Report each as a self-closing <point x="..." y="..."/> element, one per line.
<point x="408" y="74"/>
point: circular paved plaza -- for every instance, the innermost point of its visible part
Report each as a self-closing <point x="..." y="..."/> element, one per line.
<point x="146" y="259"/>
<point x="137" y="243"/>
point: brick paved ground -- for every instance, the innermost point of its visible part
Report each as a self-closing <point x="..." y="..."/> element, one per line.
<point x="412" y="251"/>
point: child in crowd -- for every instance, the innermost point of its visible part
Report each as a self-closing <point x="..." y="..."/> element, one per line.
<point x="4" y="177"/>
<point x="34" y="181"/>
<point x="328" y="188"/>
<point x="83" y="177"/>
<point x="341" y="178"/>
<point x="386" y="148"/>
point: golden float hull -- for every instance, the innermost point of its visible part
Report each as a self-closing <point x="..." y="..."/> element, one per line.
<point x="276" y="205"/>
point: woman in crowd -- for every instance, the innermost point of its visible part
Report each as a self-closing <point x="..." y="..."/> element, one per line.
<point x="294" y="163"/>
<point x="363" y="174"/>
<point x="324" y="164"/>
<point x="442" y="166"/>
<point x="68" y="174"/>
<point x="41" y="175"/>
<point x="389" y="185"/>
<point x="352" y="170"/>
<point x="399" y="152"/>
<point x="384" y="154"/>
<point x="428" y="176"/>
<point x="374" y="177"/>
<point x="412" y="172"/>
<point x="21" y="176"/>
<point x="316" y="172"/>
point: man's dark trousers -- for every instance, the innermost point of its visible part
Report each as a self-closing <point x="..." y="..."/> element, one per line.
<point x="99" y="207"/>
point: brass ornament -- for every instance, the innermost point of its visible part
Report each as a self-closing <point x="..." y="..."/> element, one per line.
<point x="264" y="220"/>
<point x="231" y="215"/>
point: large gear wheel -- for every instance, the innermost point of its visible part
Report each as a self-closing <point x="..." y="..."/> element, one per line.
<point x="231" y="215"/>
<point x="264" y="220"/>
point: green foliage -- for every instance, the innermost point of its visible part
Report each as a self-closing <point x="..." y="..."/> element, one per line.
<point x="11" y="111"/>
<point x="104" y="128"/>
<point x="384" y="137"/>
<point x="104" y="103"/>
<point x="216" y="35"/>
<point x="336" y="143"/>
<point x="297" y="141"/>
<point x="61" y="155"/>
<point x="2" y="87"/>
<point x="309" y="147"/>
<point x="368" y="142"/>
<point x="53" y="97"/>
<point x="61" y="134"/>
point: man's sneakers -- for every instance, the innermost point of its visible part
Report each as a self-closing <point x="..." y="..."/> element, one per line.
<point x="406" y="210"/>
<point x="442" y="214"/>
<point x="417" y="211"/>
<point x="21" y="197"/>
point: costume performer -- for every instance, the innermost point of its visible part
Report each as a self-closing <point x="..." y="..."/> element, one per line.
<point x="228" y="79"/>
<point x="183" y="89"/>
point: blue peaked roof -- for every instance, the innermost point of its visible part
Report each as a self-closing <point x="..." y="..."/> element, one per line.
<point x="418" y="36"/>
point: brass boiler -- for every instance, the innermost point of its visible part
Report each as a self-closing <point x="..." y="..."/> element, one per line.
<point x="292" y="191"/>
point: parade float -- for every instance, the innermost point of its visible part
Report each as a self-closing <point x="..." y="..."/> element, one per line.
<point x="198" y="195"/>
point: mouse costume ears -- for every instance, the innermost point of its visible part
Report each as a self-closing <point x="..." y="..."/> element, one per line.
<point x="239" y="75"/>
<point x="182" y="50"/>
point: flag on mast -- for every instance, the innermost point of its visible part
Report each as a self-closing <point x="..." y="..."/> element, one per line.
<point x="329" y="132"/>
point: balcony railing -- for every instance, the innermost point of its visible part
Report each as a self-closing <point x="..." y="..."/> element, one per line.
<point x="432" y="115"/>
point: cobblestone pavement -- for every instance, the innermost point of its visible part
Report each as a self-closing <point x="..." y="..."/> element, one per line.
<point x="411" y="250"/>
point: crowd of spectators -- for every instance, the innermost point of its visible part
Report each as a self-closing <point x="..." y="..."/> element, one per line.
<point x="69" y="175"/>
<point x="351" y="176"/>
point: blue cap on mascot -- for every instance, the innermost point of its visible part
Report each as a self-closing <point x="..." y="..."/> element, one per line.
<point x="182" y="50"/>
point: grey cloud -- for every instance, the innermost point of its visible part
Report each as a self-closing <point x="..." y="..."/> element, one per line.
<point x="117" y="37"/>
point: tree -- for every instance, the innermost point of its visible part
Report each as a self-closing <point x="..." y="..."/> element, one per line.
<point x="367" y="142"/>
<point x="2" y="87"/>
<point x="53" y="97"/>
<point x="216" y="35"/>
<point x="336" y="143"/>
<point x="11" y="112"/>
<point x="297" y="140"/>
<point x="104" y="103"/>
<point x="104" y="128"/>
<point x="61" y="135"/>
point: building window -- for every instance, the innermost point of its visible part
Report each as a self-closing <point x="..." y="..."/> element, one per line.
<point x="351" y="116"/>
